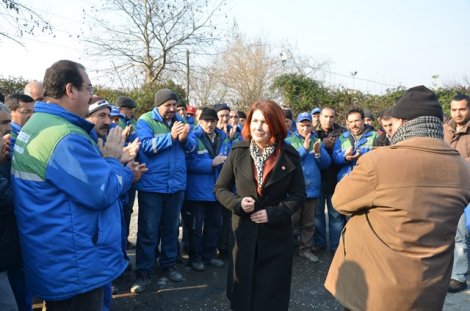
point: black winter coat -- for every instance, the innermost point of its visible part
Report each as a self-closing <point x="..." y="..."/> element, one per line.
<point x="260" y="265"/>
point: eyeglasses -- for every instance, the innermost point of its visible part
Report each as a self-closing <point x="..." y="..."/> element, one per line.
<point x="90" y="88"/>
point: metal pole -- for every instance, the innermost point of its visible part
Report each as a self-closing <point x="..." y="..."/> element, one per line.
<point x="187" y="77"/>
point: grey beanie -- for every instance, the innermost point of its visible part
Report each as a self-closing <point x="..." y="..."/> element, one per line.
<point x="164" y="95"/>
<point x="417" y="102"/>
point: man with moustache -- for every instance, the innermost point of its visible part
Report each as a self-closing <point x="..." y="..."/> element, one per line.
<point x="165" y="139"/>
<point x="66" y="189"/>
<point x="358" y="140"/>
<point x="99" y="114"/>
<point x="457" y="134"/>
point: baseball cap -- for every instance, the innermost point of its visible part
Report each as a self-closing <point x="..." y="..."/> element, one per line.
<point x="303" y="116"/>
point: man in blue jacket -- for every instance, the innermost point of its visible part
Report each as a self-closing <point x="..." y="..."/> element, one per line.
<point x="165" y="139"/>
<point x="66" y="189"/>
<point x="204" y="214"/>
<point x="313" y="157"/>
<point x="358" y="140"/>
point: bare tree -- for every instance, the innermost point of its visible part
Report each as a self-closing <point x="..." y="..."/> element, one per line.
<point x="206" y="87"/>
<point x="19" y="20"/>
<point x="245" y="70"/>
<point x="150" y="37"/>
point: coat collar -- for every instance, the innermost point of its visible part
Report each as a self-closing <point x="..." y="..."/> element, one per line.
<point x="451" y="125"/>
<point x="425" y="144"/>
<point x="55" y="109"/>
<point x="283" y="167"/>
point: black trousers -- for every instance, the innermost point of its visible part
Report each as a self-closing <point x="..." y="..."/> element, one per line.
<point x="90" y="301"/>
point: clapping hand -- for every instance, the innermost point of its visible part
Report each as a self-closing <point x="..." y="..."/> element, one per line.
<point x="349" y="156"/>
<point x="129" y="153"/>
<point x="114" y="144"/>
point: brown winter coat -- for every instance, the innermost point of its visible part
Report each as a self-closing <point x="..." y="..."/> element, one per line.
<point x="396" y="251"/>
<point x="459" y="140"/>
<point x="260" y="266"/>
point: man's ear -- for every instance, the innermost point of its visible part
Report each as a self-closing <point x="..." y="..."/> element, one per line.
<point x="69" y="89"/>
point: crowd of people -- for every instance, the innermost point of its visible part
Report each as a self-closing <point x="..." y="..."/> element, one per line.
<point x="247" y="189"/>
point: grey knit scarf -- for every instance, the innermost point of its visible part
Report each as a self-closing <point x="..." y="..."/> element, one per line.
<point x="425" y="126"/>
<point x="260" y="158"/>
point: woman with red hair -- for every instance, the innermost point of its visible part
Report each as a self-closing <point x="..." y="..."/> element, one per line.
<point x="269" y="183"/>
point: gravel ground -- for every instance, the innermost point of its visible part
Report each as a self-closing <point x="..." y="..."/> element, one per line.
<point x="206" y="290"/>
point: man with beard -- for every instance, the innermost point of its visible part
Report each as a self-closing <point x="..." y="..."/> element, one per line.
<point x="457" y="134"/>
<point x="358" y="140"/>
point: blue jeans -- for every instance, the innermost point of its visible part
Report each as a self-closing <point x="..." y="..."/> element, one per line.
<point x="336" y="221"/>
<point x="460" y="267"/>
<point x="158" y="222"/>
<point x="204" y="221"/>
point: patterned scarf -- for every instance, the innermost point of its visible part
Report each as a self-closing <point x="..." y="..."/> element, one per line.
<point x="425" y="126"/>
<point x="259" y="159"/>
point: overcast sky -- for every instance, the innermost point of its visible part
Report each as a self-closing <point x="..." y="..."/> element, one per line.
<point x="388" y="43"/>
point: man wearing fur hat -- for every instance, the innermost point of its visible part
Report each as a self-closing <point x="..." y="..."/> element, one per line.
<point x="405" y="201"/>
<point x="457" y="134"/>
<point x="165" y="139"/>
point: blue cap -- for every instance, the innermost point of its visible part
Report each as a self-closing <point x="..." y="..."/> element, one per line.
<point x="315" y="110"/>
<point x="115" y="111"/>
<point x="304" y="116"/>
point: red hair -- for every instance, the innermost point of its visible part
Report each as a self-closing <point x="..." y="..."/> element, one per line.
<point x="274" y="116"/>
